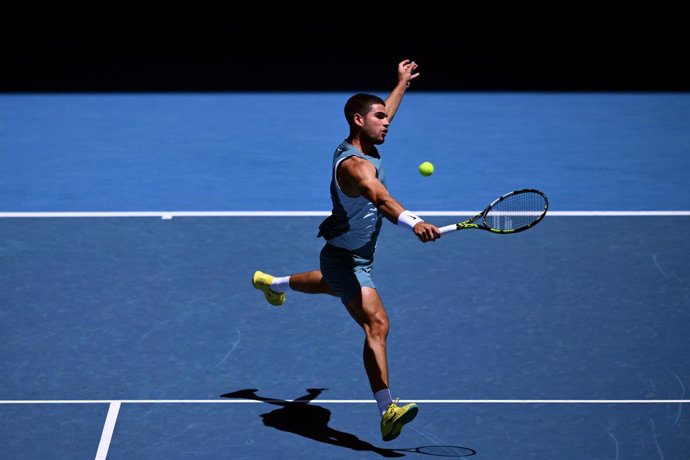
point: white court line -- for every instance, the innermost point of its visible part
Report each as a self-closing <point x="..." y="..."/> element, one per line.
<point x="108" y="429"/>
<point x="350" y="401"/>
<point x="167" y="215"/>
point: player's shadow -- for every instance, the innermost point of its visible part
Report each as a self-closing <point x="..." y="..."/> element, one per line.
<point x="300" y="417"/>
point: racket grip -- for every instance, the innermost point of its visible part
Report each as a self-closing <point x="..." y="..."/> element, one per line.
<point x="448" y="228"/>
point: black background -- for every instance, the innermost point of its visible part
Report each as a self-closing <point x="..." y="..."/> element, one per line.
<point x="347" y="51"/>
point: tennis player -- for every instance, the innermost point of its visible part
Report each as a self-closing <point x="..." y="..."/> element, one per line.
<point x="360" y="201"/>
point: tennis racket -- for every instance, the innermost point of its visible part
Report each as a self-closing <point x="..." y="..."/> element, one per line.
<point x="511" y="213"/>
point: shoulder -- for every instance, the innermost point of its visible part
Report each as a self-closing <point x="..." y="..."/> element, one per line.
<point x="357" y="166"/>
<point x="353" y="173"/>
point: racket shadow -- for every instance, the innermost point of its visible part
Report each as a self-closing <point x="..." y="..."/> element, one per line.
<point x="309" y="420"/>
<point x="441" y="451"/>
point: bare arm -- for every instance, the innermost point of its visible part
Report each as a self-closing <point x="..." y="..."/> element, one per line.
<point x="358" y="177"/>
<point x="405" y="75"/>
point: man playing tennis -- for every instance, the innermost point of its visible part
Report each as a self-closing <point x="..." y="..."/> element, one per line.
<point x="360" y="201"/>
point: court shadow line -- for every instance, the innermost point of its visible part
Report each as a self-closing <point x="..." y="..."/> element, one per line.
<point x="308" y="420"/>
<point x="311" y="421"/>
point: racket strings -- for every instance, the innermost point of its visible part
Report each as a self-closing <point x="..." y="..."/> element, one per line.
<point x="516" y="211"/>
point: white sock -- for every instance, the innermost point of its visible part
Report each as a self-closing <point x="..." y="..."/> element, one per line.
<point x="383" y="399"/>
<point x="280" y="284"/>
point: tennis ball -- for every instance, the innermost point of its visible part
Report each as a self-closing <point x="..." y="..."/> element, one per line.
<point x="426" y="169"/>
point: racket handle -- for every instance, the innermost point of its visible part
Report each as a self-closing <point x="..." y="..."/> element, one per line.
<point x="448" y="228"/>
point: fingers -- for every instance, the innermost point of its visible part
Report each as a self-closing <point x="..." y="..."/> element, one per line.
<point x="428" y="232"/>
<point x="408" y="65"/>
<point x="406" y="69"/>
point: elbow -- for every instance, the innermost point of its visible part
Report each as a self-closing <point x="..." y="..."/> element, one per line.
<point x="383" y="203"/>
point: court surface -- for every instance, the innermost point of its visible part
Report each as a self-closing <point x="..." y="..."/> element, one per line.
<point x="131" y="225"/>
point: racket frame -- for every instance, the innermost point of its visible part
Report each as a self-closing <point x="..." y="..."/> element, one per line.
<point x="470" y="223"/>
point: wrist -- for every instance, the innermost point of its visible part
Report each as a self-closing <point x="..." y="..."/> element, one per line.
<point x="409" y="220"/>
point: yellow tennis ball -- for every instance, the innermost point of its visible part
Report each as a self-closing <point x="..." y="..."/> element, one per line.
<point x="426" y="169"/>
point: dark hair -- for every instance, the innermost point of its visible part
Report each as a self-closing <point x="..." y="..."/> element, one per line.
<point x="361" y="104"/>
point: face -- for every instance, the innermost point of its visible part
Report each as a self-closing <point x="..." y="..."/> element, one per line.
<point x="374" y="124"/>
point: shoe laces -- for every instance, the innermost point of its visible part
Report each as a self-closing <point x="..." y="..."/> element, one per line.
<point x="392" y="406"/>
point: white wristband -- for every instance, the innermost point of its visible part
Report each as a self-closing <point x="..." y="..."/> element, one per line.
<point x="408" y="219"/>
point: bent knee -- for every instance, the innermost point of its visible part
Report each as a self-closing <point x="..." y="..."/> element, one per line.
<point x="325" y="288"/>
<point x="377" y="327"/>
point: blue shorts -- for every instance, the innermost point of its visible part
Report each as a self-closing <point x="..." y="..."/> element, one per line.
<point x="346" y="272"/>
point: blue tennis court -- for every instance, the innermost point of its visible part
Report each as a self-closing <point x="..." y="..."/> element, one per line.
<point x="131" y="226"/>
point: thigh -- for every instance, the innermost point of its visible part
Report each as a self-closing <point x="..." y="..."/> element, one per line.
<point x="366" y="307"/>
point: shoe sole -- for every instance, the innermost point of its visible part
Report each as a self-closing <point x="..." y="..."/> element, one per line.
<point x="404" y="419"/>
<point x="255" y="280"/>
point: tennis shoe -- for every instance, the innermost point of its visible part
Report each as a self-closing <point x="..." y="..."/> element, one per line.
<point x="395" y="417"/>
<point x="262" y="281"/>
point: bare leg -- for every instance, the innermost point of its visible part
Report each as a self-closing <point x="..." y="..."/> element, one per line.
<point x="310" y="283"/>
<point x="367" y="309"/>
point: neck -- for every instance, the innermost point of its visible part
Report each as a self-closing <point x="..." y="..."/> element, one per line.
<point x="366" y="148"/>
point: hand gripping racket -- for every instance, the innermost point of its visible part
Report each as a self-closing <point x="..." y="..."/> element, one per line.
<point x="511" y="213"/>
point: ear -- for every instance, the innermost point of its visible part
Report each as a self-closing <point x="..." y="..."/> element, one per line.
<point x="358" y="119"/>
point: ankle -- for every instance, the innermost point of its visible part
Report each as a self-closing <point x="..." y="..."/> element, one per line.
<point x="280" y="284"/>
<point x="383" y="399"/>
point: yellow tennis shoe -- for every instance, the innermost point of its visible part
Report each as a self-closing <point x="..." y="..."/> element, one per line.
<point x="262" y="281"/>
<point x="395" y="417"/>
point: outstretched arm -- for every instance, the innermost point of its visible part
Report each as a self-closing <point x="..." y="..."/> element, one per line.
<point x="359" y="177"/>
<point x="405" y="75"/>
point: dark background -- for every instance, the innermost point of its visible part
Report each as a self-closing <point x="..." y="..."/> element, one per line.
<point x="249" y="53"/>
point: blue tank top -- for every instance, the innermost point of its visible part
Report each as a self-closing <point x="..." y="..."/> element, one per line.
<point x="354" y="223"/>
